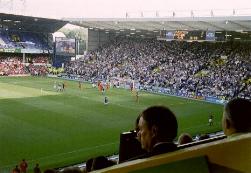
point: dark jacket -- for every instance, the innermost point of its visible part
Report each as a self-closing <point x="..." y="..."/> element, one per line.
<point x="159" y="148"/>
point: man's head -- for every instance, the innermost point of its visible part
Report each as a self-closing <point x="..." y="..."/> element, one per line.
<point x="156" y="124"/>
<point x="185" y="138"/>
<point x="236" y="116"/>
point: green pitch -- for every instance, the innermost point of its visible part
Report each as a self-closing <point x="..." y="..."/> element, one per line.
<point x="57" y="129"/>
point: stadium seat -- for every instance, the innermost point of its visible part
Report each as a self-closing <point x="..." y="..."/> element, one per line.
<point x="225" y="156"/>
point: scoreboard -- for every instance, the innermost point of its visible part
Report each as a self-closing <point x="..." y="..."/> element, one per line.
<point x="190" y="35"/>
<point x="65" y="46"/>
<point x="210" y="35"/>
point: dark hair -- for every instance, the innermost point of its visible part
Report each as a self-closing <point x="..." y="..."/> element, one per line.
<point x="101" y="162"/>
<point x="137" y="124"/>
<point x="238" y="111"/>
<point x="88" y="165"/>
<point x="204" y="136"/>
<point x="185" y="138"/>
<point x="164" y="119"/>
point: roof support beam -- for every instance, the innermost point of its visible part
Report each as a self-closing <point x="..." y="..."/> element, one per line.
<point x="215" y="26"/>
<point x="244" y="27"/>
<point x="181" y="23"/>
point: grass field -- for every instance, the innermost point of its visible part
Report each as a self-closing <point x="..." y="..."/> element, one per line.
<point x="56" y="129"/>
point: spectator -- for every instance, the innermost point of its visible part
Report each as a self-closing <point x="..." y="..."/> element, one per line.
<point x="101" y="162"/>
<point x="97" y="163"/>
<point x="23" y="166"/>
<point x="16" y="170"/>
<point x="185" y="138"/>
<point x="236" y="117"/>
<point x="157" y="130"/>
<point x="204" y="136"/>
<point x="88" y="165"/>
<point x="37" y="169"/>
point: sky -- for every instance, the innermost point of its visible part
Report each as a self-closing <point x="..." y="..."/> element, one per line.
<point x="118" y="8"/>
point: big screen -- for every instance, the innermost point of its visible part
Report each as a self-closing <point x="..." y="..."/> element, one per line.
<point x="65" y="46"/>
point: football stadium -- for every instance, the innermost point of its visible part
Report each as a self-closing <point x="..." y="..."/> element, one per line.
<point x="76" y="102"/>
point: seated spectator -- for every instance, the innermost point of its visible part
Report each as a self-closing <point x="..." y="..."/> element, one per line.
<point x="157" y="130"/>
<point x="101" y="162"/>
<point x="204" y="136"/>
<point x="97" y="163"/>
<point x="88" y="165"/>
<point x="236" y="117"/>
<point x="16" y="170"/>
<point x="185" y="138"/>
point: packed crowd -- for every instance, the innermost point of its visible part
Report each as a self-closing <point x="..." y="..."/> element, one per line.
<point x="22" y="40"/>
<point x="40" y="59"/>
<point x="219" y="70"/>
<point x="14" y="65"/>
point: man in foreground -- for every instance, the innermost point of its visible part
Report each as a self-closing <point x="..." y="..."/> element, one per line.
<point x="157" y="130"/>
<point x="236" y="117"/>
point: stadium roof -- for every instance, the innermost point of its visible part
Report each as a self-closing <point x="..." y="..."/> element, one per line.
<point x="151" y="26"/>
<point x="28" y="23"/>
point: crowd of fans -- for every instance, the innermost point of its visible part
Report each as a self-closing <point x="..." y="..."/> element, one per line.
<point x="14" y="65"/>
<point x="23" y="40"/>
<point x="189" y="69"/>
<point x="40" y="60"/>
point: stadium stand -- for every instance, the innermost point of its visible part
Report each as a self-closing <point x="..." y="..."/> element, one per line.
<point x="26" y="49"/>
<point x="13" y="65"/>
<point x="22" y="40"/>
<point x="195" y="70"/>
